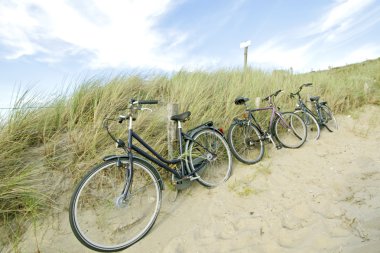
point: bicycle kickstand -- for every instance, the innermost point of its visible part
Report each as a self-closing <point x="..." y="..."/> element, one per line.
<point x="277" y="146"/>
<point x="328" y="128"/>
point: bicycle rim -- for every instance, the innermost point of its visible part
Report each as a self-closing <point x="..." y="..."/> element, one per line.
<point x="101" y="219"/>
<point x="290" y="130"/>
<point x="312" y="126"/>
<point x="328" y="118"/>
<point x="209" y="153"/>
<point x="245" y="143"/>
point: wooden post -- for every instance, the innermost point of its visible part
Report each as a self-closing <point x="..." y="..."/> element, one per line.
<point x="257" y="102"/>
<point x="245" y="45"/>
<point x="245" y="57"/>
<point x="172" y="129"/>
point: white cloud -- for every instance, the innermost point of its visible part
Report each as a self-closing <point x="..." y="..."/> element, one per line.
<point x="317" y="45"/>
<point x="342" y="14"/>
<point x="116" y="33"/>
<point x="364" y="52"/>
<point x="275" y="55"/>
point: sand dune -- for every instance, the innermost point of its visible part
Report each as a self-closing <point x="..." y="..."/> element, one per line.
<point x="323" y="197"/>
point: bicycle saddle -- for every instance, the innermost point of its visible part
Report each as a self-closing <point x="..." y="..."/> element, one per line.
<point x="240" y="100"/>
<point x="181" y="117"/>
<point x="316" y="98"/>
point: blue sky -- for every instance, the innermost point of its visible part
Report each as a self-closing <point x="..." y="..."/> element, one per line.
<point x="47" y="45"/>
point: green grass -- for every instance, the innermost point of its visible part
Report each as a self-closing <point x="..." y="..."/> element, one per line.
<point x="67" y="136"/>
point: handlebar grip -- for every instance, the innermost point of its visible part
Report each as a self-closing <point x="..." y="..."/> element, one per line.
<point x="277" y="92"/>
<point x="148" y="102"/>
<point x="307" y="84"/>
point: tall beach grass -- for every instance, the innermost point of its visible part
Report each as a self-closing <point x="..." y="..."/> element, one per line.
<point x="66" y="136"/>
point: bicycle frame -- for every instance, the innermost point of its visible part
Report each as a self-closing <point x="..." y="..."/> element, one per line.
<point x="301" y="105"/>
<point x="162" y="162"/>
<point x="275" y="113"/>
<point x="157" y="158"/>
<point x="304" y="108"/>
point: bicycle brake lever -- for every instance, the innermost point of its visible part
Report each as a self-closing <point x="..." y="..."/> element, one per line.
<point x="122" y="118"/>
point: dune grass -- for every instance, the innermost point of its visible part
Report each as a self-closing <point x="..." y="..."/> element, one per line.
<point x="66" y="136"/>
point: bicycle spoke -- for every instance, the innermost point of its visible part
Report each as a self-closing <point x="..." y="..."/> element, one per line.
<point x="245" y="143"/>
<point x="102" y="218"/>
<point x="216" y="164"/>
<point x="290" y="130"/>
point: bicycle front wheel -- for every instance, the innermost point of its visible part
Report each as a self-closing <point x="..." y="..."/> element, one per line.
<point x="290" y="130"/>
<point x="245" y="142"/>
<point x="101" y="218"/>
<point x="312" y="126"/>
<point x="210" y="156"/>
<point x="328" y="118"/>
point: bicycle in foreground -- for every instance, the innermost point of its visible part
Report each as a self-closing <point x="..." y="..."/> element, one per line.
<point x="322" y="117"/>
<point x="246" y="136"/>
<point x="118" y="201"/>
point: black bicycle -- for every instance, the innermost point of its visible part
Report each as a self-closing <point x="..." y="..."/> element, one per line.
<point x="118" y="201"/>
<point x="246" y="136"/>
<point x="322" y="117"/>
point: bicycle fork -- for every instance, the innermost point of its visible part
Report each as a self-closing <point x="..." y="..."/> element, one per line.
<point x="128" y="170"/>
<point x="121" y="200"/>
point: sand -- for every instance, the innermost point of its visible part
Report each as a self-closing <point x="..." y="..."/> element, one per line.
<point x="323" y="197"/>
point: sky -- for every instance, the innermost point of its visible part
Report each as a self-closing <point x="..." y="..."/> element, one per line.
<point x="48" y="45"/>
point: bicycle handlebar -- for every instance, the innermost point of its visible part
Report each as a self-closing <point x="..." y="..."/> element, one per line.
<point x="143" y="102"/>
<point x="271" y="95"/>
<point x="299" y="90"/>
<point x="134" y="105"/>
<point x="307" y="84"/>
<point x="148" y="102"/>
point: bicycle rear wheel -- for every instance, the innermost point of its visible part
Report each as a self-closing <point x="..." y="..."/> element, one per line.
<point x="245" y="142"/>
<point x="210" y="155"/>
<point x="290" y="130"/>
<point x="101" y="219"/>
<point x="328" y="118"/>
<point x="312" y="126"/>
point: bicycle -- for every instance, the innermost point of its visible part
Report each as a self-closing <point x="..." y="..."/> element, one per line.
<point x="118" y="201"/>
<point x="314" y="121"/>
<point x="246" y="136"/>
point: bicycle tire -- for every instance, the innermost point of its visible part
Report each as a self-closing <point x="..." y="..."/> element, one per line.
<point x="312" y="126"/>
<point x="103" y="222"/>
<point x="290" y="130"/>
<point x="245" y="143"/>
<point x="210" y="155"/>
<point x="328" y="118"/>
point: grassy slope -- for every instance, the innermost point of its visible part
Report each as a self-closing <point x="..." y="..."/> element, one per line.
<point x="68" y="137"/>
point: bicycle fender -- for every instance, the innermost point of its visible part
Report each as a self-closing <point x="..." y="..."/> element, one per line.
<point x="191" y="134"/>
<point x="145" y="163"/>
<point x="239" y="122"/>
<point x="196" y="129"/>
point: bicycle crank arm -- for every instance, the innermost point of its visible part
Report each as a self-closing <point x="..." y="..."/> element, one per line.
<point x="271" y="139"/>
<point x="328" y="128"/>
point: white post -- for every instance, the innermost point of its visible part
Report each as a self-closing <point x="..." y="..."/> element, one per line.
<point x="172" y="129"/>
<point x="245" y="45"/>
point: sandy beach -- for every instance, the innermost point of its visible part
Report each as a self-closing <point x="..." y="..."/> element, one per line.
<point x="323" y="197"/>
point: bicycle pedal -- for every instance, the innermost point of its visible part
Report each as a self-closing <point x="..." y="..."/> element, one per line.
<point x="278" y="146"/>
<point x="193" y="178"/>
